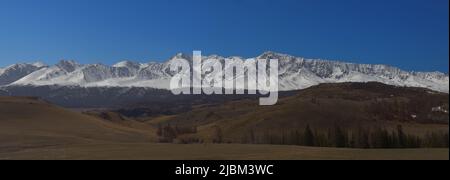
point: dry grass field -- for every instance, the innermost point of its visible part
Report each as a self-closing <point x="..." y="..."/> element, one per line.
<point x="148" y="151"/>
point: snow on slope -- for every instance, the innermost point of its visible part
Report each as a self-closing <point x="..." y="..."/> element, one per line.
<point x="294" y="72"/>
<point x="15" y="72"/>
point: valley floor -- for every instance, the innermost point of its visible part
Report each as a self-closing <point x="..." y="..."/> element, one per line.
<point x="147" y="151"/>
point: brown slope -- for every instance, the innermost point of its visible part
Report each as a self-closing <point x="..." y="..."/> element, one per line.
<point x="29" y="122"/>
<point x="348" y="105"/>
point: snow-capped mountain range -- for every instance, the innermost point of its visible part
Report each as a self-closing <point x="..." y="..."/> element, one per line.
<point x="295" y="73"/>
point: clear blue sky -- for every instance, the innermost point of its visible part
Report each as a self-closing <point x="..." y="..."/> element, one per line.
<point x="410" y="34"/>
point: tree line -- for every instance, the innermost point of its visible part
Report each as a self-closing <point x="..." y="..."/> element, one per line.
<point x="349" y="138"/>
<point x="168" y="134"/>
<point x="333" y="137"/>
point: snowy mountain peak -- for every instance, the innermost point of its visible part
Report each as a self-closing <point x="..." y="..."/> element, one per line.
<point x="68" y="65"/>
<point x="182" y="56"/>
<point x="39" y="64"/>
<point x="15" y="72"/>
<point x="20" y="66"/>
<point x="127" y="64"/>
<point x="273" y="55"/>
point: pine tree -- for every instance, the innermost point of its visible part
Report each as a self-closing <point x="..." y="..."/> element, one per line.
<point x="218" y="136"/>
<point x="340" y="137"/>
<point x="159" y="132"/>
<point x="363" y="139"/>
<point x="402" y="139"/>
<point x="308" y="137"/>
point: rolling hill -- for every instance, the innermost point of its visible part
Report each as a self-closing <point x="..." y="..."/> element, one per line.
<point x="27" y="122"/>
<point x="350" y="106"/>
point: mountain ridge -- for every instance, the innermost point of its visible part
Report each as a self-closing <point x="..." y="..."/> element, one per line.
<point x="295" y="73"/>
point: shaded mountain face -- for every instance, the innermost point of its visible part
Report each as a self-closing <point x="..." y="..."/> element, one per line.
<point x="16" y="72"/>
<point x="130" y="101"/>
<point x="295" y="73"/>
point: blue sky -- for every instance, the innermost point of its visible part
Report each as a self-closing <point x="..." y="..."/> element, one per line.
<point x="410" y="34"/>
